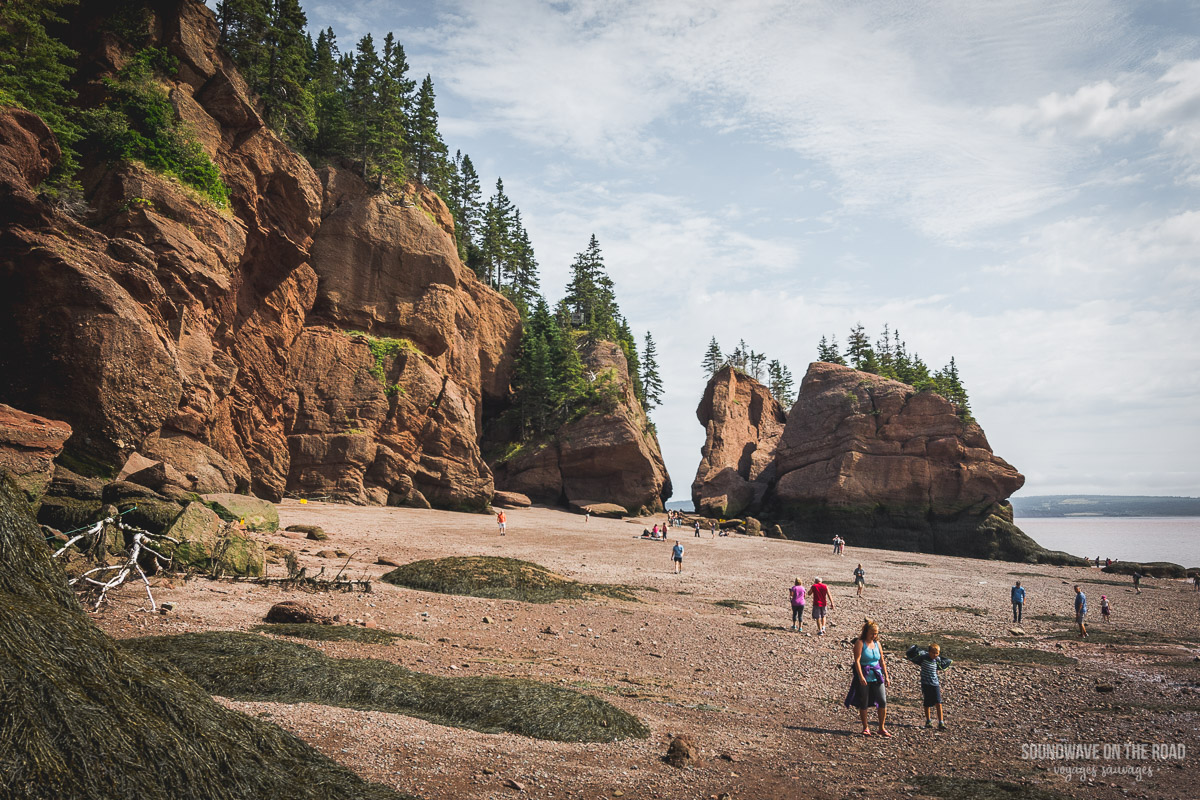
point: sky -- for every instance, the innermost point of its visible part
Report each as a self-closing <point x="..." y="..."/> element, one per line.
<point x="1015" y="184"/>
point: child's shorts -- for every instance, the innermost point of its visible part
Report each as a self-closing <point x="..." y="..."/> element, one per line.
<point x="932" y="695"/>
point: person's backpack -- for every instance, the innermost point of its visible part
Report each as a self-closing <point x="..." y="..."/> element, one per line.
<point x="916" y="653"/>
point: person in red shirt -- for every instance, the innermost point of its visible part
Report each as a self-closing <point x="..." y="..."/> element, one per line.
<point x="821" y="601"/>
<point x="501" y="522"/>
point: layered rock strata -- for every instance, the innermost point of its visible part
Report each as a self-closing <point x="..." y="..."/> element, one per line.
<point x="742" y="424"/>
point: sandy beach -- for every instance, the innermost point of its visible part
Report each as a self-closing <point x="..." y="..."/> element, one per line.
<point x="763" y="703"/>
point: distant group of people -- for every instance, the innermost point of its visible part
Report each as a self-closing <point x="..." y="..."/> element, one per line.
<point x="839" y="546"/>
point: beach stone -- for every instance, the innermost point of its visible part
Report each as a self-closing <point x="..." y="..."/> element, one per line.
<point x="295" y="611"/>
<point x="258" y="514"/>
<point x="326" y="554"/>
<point x="511" y="500"/>
<point x="683" y="752"/>
<point x="388" y="562"/>
<point x="1017" y="631"/>
<point x="314" y="532"/>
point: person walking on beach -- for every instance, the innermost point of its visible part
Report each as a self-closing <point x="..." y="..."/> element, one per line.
<point x="677" y="556"/>
<point x="836" y="541"/>
<point x="501" y="522"/>
<point x="1018" y="601"/>
<point x="1081" y="612"/>
<point x="870" y="678"/>
<point x="860" y="579"/>
<point x="712" y="528"/>
<point x="1137" y="581"/>
<point x="587" y="514"/>
<point x="1104" y="607"/>
<point x="821" y="602"/>
<point x="796" y="595"/>
<point x="696" y="528"/>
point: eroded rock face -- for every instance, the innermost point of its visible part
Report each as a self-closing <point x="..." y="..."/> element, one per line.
<point x="856" y="440"/>
<point x="604" y="457"/>
<point x="887" y="466"/>
<point x="400" y="425"/>
<point x="28" y="447"/>
<point x="163" y="317"/>
<point x="742" y="424"/>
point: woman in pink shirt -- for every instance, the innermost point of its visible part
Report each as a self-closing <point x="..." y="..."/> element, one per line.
<point x="796" y="593"/>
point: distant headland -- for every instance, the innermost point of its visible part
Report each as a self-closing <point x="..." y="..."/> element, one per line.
<point x="1102" y="505"/>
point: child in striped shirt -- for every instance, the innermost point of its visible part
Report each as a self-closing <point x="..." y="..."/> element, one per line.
<point x="930" y="664"/>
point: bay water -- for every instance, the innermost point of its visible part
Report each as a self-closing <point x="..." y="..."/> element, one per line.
<point x="1175" y="539"/>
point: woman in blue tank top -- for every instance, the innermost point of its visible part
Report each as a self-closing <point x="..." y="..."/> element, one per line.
<point x="871" y="678"/>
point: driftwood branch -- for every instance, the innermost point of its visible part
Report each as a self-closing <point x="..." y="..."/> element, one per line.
<point x="100" y="580"/>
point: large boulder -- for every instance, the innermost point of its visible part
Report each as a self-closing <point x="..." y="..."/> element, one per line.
<point x="742" y="425"/>
<point x="258" y="515"/>
<point x="28" y="447"/>
<point x="610" y="455"/>
<point x="889" y="466"/>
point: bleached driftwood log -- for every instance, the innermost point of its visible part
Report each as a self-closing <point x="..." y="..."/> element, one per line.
<point x="99" y="581"/>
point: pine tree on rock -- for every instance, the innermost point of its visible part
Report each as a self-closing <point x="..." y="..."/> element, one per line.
<point x="525" y="284"/>
<point x="364" y="104"/>
<point x="652" y="384"/>
<point x="329" y="79"/>
<point x="284" y="80"/>
<point x="714" y="358"/>
<point x="858" y="348"/>
<point x="780" y="383"/>
<point x="394" y="95"/>
<point x="428" y="149"/>
<point x="495" y="240"/>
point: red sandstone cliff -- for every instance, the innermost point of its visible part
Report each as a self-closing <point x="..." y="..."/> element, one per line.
<point x="605" y="457"/>
<point x="159" y="324"/>
<point x="742" y="424"/>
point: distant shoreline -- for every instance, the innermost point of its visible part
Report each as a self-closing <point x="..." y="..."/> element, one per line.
<point x="1085" y="505"/>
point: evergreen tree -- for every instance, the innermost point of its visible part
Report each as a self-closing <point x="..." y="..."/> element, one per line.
<point x="283" y="80"/>
<point x="754" y="365"/>
<point x="858" y="346"/>
<point x="628" y="345"/>
<point x="394" y="96"/>
<point x="496" y="237"/>
<point x="949" y="385"/>
<point x="35" y="68"/>
<point x="523" y="267"/>
<point x="364" y="104"/>
<point x="714" y="359"/>
<point x="591" y="293"/>
<point x="467" y="199"/>
<point x="245" y="33"/>
<point x="333" y="130"/>
<point x="651" y="381"/>
<point x="428" y="150"/>
<point x="780" y="383"/>
<point x="828" y="351"/>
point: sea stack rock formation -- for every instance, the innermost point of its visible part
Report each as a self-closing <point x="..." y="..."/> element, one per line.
<point x="888" y="466"/>
<point x="743" y="424"/>
<point x="609" y="456"/>
<point x="869" y="458"/>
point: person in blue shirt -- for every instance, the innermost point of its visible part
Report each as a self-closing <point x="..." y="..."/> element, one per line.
<point x="1081" y="612"/>
<point x="677" y="556"/>
<point x="1018" y="601"/>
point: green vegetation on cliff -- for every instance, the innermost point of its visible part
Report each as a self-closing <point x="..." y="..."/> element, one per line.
<point x="890" y="357"/>
<point x="778" y="377"/>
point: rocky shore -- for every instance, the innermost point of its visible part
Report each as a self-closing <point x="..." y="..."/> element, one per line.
<point x="707" y="653"/>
